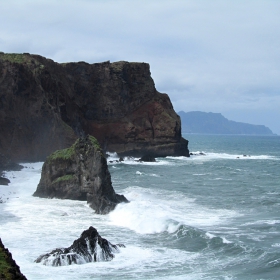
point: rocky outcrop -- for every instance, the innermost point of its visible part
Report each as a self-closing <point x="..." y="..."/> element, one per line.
<point x="80" y="173"/>
<point x="90" y="247"/>
<point x="7" y="165"/>
<point x="46" y="106"/>
<point x="8" y="267"/>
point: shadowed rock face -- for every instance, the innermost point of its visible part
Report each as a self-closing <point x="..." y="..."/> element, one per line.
<point x="90" y="247"/>
<point x="45" y="106"/>
<point x="80" y="173"/>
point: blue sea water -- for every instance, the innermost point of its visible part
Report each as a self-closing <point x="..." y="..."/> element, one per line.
<point x="215" y="215"/>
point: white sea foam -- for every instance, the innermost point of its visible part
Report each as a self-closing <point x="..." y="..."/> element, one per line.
<point x="206" y="156"/>
<point x="153" y="211"/>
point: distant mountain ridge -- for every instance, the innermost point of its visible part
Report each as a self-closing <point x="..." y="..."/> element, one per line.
<point x="216" y="123"/>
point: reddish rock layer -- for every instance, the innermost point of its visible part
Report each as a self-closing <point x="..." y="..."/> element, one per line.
<point x="45" y="106"/>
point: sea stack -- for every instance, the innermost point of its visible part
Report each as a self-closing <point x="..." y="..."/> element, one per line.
<point x="79" y="173"/>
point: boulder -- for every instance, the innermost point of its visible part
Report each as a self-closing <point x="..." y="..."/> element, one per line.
<point x="80" y="173"/>
<point x="90" y="247"/>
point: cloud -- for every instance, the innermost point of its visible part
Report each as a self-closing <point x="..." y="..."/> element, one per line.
<point x="213" y="55"/>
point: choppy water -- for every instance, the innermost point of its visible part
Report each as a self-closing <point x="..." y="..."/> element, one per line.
<point x="213" y="216"/>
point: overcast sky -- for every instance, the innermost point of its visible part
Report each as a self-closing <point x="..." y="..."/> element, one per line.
<point x="220" y="56"/>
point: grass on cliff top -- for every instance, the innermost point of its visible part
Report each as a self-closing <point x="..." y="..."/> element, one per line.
<point x="4" y="266"/>
<point x="13" y="57"/>
<point x="21" y="58"/>
<point x="62" y="154"/>
<point x="66" y="154"/>
<point x="94" y="142"/>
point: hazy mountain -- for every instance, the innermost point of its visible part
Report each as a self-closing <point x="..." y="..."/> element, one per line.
<point x="216" y="123"/>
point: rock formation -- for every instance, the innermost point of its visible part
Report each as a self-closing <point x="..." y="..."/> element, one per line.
<point x="81" y="173"/>
<point x="8" y="267"/>
<point x="7" y="165"/>
<point x="90" y="247"/>
<point x="46" y="106"/>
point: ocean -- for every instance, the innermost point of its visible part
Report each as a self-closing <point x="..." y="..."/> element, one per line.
<point x="215" y="215"/>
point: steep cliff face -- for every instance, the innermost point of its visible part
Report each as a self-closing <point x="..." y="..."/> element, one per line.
<point x="80" y="173"/>
<point x="45" y="106"/>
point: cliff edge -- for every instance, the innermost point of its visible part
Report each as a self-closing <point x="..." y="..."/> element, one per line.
<point x="46" y="106"/>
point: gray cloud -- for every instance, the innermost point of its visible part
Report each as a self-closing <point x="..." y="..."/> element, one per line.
<point x="220" y="56"/>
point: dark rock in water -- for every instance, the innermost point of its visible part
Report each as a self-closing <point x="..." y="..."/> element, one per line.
<point x="147" y="158"/>
<point x="80" y="173"/>
<point x="4" y="181"/>
<point x="8" y="267"/>
<point x="7" y="165"/>
<point x="197" y="154"/>
<point x="90" y="247"/>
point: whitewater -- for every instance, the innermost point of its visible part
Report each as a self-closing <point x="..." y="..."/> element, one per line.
<point x="214" y="215"/>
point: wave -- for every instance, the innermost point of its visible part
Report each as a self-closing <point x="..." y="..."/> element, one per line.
<point x="203" y="156"/>
<point x="153" y="211"/>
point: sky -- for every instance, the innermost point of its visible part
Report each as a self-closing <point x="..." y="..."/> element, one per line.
<point x="220" y="56"/>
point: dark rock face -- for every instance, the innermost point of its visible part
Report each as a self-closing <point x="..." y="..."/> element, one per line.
<point x="46" y="106"/>
<point x="80" y="173"/>
<point x="90" y="247"/>
<point x="8" y="165"/>
<point x="9" y="268"/>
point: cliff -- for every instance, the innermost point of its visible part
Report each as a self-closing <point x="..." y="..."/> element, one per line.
<point x="46" y="106"/>
<point x="80" y="173"/>
<point x="215" y="123"/>
<point x="8" y="268"/>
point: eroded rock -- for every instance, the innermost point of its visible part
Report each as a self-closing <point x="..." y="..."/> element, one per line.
<point x="90" y="247"/>
<point x="80" y="173"/>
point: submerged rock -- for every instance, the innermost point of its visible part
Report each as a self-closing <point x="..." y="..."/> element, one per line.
<point x="80" y="173"/>
<point x="90" y="247"/>
<point x="147" y="158"/>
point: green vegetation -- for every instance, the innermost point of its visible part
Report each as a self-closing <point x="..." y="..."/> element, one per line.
<point x="66" y="154"/>
<point x="63" y="178"/>
<point x="13" y="57"/>
<point x="4" y="265"/>
<point x="94" y="142"/>
<point x="62" y="154"/>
